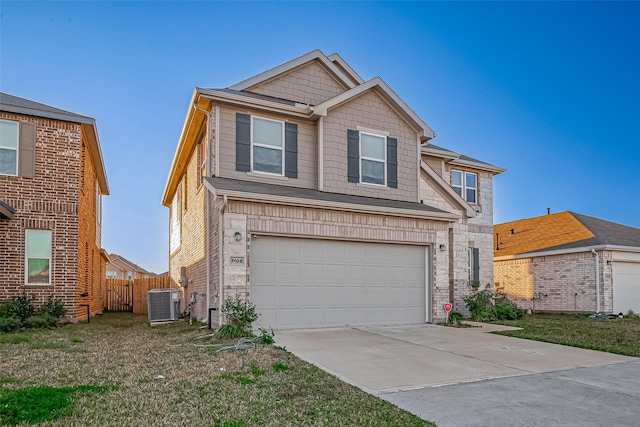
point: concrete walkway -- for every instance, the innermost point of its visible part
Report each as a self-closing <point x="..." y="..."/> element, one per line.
<point x="469" y="377"/>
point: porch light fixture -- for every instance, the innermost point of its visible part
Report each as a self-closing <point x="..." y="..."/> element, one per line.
<point x="237" y="236"/>
<point x="443" y="248"/>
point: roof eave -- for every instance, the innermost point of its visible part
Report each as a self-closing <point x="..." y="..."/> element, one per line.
<point x="323" y="204"/>
<point x="567" y="251"/>
<point x="477" y="165"/>
<point x="214" y="95"/>
<point x="91" y="132"/>
<point x="471" y="212"/>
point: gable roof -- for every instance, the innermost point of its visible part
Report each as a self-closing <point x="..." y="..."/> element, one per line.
<point x="315" y="55"/>
<point x="119" y="261"/>
<point x="437" y="179"/>
<point x="17" y="105"/>
<point x="457" y="159"/>
<point x="561" y="231"/>
<point x="280" y="194"/>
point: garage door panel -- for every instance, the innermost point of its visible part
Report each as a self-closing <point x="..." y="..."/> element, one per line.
<point x="320" y="283"/>
<point x="626" y="287"/>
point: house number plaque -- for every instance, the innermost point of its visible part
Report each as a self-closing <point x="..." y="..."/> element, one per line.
<point x="237" y="260"/>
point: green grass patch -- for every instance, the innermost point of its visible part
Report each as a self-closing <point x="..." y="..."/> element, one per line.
<point x="13" y="338"/>
<point x="280" y="367"/>
<point x="620" y="336"/>
<point x="34" y="405"/>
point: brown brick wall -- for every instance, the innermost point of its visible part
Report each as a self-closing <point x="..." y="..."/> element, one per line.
<point x="52" y="201"/>
<point x="191" y="252"/>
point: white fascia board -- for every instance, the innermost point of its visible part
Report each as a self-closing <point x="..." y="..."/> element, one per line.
<point x="558" y="252"/>
<point x="322" y="109"/>
<point x="445" y="154"/>
<point x="471" y="213"/>
<point x="91" y="131"/>
<point x="477" y="165"/>
<point x="302" y="110"/>
<point x="287" y="66"/>
<point x="334" y="57"/>
<point x="323" y="204"/>
<point x="167" y="196"/>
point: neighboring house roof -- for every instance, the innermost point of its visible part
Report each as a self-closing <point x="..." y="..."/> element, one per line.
<point x="458" y="159"/>
<point x="124" y="264"/>
<point x="562" y="231"/>
<point x="17" y="105"/>
<point x="6" y="211"/>
<point x="279" y="194"/>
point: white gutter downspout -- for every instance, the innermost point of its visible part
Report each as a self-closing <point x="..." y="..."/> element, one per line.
<point x="206" y="211"/>
<point x="321" y="153"/>
<point x="221" y="251"/>
<point x="593" y="251"/>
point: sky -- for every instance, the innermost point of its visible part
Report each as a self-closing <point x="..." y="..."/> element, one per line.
<point x="548" y="90"/>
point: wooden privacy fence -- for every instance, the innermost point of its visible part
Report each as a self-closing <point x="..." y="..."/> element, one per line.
<point x="131" y="295"/>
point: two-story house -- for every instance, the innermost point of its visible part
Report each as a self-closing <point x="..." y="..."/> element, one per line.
<point x="118" y="267"/>
<point x="317" y="196"/>
<point x="52" y="179"/>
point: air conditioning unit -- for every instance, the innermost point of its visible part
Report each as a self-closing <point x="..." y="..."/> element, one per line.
<point x="163" y="304"/>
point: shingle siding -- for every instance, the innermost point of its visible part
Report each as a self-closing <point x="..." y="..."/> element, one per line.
<point x="310" y="84"/>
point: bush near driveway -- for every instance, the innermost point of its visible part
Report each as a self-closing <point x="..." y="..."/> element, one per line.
<point x="158" y="376"/>
<point x="620" y="336"/>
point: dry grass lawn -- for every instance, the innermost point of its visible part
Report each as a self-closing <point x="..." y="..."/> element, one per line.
<point x="167" y="376"/>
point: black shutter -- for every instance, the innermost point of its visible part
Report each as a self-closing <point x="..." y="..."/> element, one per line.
<point x="392" y="162"/>
<point x="476" y="265"/>
<point x="291" y="150"/>
<point x="353" y="155"/>
<point x="243" y="142"/>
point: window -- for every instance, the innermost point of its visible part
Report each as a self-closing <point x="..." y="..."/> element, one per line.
<point x="112" y="275"/>
<point x="129" y="275"/>
<point x="175" y="220"/>
<point x="465" y="184"/>
<point x="38" y="257"/>
<point x="267" y="145"/>
<point x="373" y="159"/>
<point x="8" y="148"/>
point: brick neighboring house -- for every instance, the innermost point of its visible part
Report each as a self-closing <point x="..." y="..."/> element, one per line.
<point x="317" y="196"/>
<point x="119" y="267"/>
<point x="562" y="261"/>
<point x="52" y="180"/>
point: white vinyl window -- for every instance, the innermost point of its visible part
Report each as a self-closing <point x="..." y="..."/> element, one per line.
<point x="267" y="146"/>
<point x="465" y="184"/>
<point x="373" y="159"/>
<point x="112" y="275"/>
<point x="8" y="148"/>
<point x="38" y="257"/>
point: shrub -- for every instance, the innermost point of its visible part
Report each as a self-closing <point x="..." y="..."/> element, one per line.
<point x="53" y="307"/>
<point x="229" y="331"/>
<point x="480" y="305"/>
<point x="456" y="317"/>
<point x="20" y="308"/>
<point x="508" y="311"/>
<point x="240" y="314"/>
<point x="40" y="322"/>
<point x="266" y="336"/>
<point x="9" y="324"/>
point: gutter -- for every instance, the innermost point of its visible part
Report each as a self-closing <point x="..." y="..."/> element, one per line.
<point x="567" y="251"/>
<point x="221" y="259"/>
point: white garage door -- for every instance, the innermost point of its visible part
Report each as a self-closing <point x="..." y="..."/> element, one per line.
<point x="308" y="283"/>
<point x="626" y="287"/>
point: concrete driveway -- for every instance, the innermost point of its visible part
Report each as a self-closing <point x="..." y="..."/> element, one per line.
<point x="467" y="377"/>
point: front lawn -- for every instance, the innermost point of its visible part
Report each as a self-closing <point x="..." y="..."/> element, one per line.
<point x="119" y="371"/>
<point x="621" y="336"/>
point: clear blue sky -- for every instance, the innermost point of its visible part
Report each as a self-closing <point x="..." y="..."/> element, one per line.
<point x="550" y="91"/>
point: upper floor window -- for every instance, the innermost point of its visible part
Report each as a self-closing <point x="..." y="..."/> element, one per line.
<point x="8" y="148"/>
<point x="267" y="145"/>
<point x="38" y="257"/>
<point x="465" y="184"/>
<point x="373" y="159"/>
<point x="112" y="275"/>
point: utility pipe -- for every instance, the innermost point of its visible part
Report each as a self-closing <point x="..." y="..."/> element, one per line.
<point x="206" y="208"/>
<point x="221" y="252"/>
<point x="593" y="251"/>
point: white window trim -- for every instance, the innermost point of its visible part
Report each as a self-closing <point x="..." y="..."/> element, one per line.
<point x="464" y="187"/>
<point x="17" y="149"/>
<point x="282" y="149"/>
<point x="26" y="259"/>
<point x="373" y="159"/>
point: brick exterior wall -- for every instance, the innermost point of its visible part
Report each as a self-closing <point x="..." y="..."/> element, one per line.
<point x="309" y="83"/>
<point x="191" y="253"/>
<point x="54" y="200"/>
<point x="565" y="283"/>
